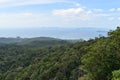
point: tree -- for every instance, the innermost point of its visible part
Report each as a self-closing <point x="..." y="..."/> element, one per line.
<point x="103" y="57"/>
<point x="116" y="75"/>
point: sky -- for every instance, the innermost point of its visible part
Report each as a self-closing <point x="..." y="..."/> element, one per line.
<point x="59" y="13"/>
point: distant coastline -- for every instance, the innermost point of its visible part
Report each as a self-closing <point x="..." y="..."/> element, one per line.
<point x="56" y="32"/>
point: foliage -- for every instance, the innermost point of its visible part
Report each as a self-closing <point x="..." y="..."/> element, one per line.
<point x="116" y="75"/>
<point x="103" y="57"/>
<point x="60" y="62"/>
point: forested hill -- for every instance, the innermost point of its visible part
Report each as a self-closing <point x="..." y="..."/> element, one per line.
<point x="95" y="59"/>
<point x="25" y="40"/>
<point x="37" y="41"/>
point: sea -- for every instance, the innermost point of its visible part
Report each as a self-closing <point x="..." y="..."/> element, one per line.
<point x="55" y="32"/>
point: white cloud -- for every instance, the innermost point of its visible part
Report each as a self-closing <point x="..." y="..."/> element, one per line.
<point x="8" y="3"/>
<point x="77" y="4"/>
<point x="103" y="15"/>
<point x="112" y="9"/>
<point x="78" y="13"/>
<point x="78" y="19"/>
<point x="76" y="16"/>
<point x="111" y="18"/>
<point x="4" y="1"/>
<point x="24" y="20"/>
<point x="118" y="9"/>
<point x="118" y="18"/>
<point x="98" y="10"/>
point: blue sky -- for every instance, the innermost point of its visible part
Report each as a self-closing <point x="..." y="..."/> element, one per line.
<point x="59" y="13"/>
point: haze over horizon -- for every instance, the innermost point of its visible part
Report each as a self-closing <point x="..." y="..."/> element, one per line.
<point x="61" y="33"/>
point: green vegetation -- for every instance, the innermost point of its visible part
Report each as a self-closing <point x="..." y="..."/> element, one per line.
<point x="103" y="57"/>
<point x="116" y="75"/>
<point x="40" y="41"/>
<point x="54" y="59"/>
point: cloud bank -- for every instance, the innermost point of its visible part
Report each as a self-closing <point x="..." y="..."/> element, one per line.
<point x="75" y="15"/>
<point x="11" y="3"/>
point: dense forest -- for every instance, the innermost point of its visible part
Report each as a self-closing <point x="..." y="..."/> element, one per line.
<point x="55" y="59"/>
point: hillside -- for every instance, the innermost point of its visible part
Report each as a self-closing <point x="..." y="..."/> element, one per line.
<point x="16" y="60"/>
<point x="95" y="59"/>
<point x="37" y="41"/>
<point x="10" y="40"/>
